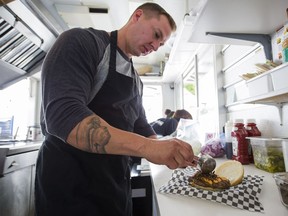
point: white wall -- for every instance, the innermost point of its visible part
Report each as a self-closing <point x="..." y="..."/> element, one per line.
<point x="168" y="96"/>
<point x="267" y="118"/>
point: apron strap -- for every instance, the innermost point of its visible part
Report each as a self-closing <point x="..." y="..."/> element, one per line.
<point x="113" y="49"/>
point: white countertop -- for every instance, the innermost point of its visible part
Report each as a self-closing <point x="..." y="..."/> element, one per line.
<point x="178" y="205"/>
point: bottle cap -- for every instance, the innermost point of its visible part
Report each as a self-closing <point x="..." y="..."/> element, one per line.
<point x="250" y="121"/>
<point x="238" y="121"/>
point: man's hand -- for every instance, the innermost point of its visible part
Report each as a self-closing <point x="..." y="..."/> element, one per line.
<point x="173" y="153"/>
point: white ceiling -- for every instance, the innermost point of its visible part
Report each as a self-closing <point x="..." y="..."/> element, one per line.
<point x="239" y="16"/>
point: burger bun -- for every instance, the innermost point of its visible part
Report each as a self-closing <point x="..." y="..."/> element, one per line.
<point x="232" y="170"/>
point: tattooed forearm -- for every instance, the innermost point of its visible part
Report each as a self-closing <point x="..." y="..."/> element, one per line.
<point x="96" y="137"/>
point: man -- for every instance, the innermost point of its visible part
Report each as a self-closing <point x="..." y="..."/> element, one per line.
<point x="93" y="118"/>
<point x="167" y="126"/>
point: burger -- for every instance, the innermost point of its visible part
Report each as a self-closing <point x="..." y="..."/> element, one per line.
<point x="229" y="173"/>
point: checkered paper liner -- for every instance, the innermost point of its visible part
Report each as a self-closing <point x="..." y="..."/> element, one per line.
<point x="242" y="196"/>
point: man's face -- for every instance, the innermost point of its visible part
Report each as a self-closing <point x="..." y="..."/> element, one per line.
<point x="148" y="35"/>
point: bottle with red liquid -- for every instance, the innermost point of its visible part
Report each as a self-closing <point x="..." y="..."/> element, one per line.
<point x="252" y="131"/>
<point x="239" y="142"/>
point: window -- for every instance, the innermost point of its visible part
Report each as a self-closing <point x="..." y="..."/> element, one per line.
<point x="152" y="102"/>
<point x="189" y="92"/>
<point x="19" y="101"/>
<point x="200" y="90"/>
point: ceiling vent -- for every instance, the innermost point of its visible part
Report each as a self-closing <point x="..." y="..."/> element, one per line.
<point x="98" y="10"/>
<point x="16" y="49"/>
<point x="24" y="42"/>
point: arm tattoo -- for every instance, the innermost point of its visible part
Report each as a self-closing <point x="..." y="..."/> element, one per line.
<point x="96" y="136"/>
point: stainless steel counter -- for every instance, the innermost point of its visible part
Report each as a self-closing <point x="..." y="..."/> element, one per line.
<point x="17" y="147"/>
<point x="17" y="176"/>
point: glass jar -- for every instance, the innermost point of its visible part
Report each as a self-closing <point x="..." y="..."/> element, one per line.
<point x="281" y="180"/>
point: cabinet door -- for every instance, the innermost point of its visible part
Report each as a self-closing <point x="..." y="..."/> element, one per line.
<point x="15" y="188"/>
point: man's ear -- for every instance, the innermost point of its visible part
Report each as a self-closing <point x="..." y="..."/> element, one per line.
<point x="137" y="14"/>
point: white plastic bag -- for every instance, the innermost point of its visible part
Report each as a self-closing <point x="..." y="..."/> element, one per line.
<point x="189" y="131"/>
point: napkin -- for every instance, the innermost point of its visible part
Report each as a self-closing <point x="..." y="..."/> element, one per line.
<point x="242" y="196"/>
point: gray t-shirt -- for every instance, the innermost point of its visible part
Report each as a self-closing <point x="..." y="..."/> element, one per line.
<point x="72" y="73"/>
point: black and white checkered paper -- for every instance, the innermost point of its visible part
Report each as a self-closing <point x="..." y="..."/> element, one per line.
<point x="242" y="196"/>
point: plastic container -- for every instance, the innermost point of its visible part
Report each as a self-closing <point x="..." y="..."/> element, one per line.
<point x="241" y="90"/>
<point x="261" y="84"/>
<point x="279" y="77"/>
<point x="252" y="131"/>
<point x="281" y="180"/>
<point x="268" y="154"/>
<point x="239" y="142"/>
<point x="230" y="95"/>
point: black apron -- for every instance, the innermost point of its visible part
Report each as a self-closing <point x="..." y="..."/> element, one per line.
<point x="91" y="184"/>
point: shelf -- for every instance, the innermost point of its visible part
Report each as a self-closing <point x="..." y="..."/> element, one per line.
<point x="274" y="97"/>
<point x="277" y="97"/>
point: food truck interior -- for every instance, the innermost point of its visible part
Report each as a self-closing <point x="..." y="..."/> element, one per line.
<point x="227" y="60"/>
